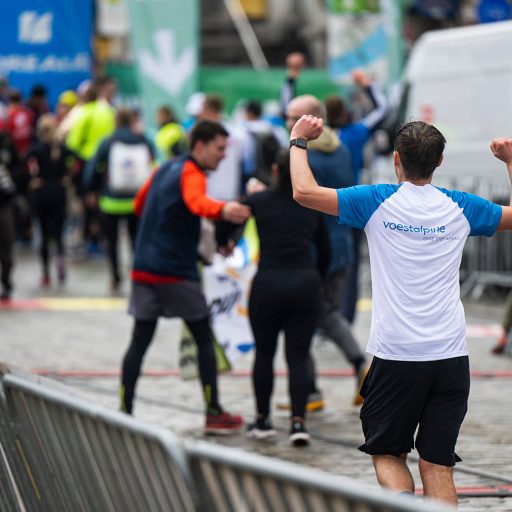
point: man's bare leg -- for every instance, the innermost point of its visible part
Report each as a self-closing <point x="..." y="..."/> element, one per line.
<point x="392" y="472"/>
<point x="438" y="481"/>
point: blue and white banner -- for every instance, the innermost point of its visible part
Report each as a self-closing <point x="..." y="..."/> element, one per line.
<point x="227" y="284"/>
<point x="227" y="289"/>
<point x="365" y="34"/>
<point x="357" y="41"/>
<point x="46" y="42"/>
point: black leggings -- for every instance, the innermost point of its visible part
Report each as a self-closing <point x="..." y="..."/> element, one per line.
<point x="51" y="221"/>
<point x="286" y="301"/>
<point x="110" y="226"/>
<point x="7" y="237"/>
<point x="143" y="332"/>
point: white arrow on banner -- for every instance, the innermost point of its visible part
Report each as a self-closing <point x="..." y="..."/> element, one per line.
<point x="168" y="71"/>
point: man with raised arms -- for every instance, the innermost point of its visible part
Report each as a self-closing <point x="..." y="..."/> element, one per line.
<point x="419" y="377"/>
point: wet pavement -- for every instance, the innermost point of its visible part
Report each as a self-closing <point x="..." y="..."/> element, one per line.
<point x="78" y="334"/>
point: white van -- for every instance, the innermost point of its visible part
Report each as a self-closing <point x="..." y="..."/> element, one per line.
<point x="460" y="80"/>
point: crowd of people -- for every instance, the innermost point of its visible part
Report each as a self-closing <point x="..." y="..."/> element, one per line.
<point x="74" y="176"/>
<point x="88" y="166"/>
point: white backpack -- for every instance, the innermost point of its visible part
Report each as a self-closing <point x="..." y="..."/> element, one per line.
<point x="129" y="166"/>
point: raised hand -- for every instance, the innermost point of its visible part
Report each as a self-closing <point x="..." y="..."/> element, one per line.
<point x="361" y="78"/>
<point x="307" y="127"/>
<point x="502" y="149"/>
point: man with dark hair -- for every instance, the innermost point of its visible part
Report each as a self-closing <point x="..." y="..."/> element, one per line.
<point x="165" y="276"/>
<point x="112" y="178"/>
<point x="295" y="62"/>
<point x="416" y="233"/>
<point x="37" y="103"/>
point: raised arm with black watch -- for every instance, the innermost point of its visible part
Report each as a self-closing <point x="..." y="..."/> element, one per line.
<point x="300" y="143"/>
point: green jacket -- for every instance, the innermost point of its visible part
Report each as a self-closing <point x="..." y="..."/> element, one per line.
<point x="171" y="141"/>
<point x="95" y="121"/>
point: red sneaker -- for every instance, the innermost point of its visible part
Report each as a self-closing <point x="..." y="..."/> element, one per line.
<point x="223" y="423"/>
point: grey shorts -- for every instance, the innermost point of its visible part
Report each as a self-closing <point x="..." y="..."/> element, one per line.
<point x="184" y="300"/>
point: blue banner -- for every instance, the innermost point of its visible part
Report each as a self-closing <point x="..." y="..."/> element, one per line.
<point x="46" y="42"/>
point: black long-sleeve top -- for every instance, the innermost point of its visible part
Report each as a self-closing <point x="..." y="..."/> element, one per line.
<point x="51" y="167"/>
<point x="289" y="234"/>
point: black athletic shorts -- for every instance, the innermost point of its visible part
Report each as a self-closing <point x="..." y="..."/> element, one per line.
<point x="400" y="396"/>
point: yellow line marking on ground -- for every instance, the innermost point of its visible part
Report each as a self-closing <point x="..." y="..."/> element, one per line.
<point x="84" y="304"/>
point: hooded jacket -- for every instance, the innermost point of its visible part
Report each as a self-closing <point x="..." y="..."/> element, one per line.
<point x="332" y="167"/>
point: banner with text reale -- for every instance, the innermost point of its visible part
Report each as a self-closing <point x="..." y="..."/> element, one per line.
<point x="164" y="38"/>
<point x="46" y="42"/>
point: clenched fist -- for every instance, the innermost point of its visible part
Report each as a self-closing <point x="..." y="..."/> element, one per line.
<point x="307" y="127"/>
<point x="502" y="148"/>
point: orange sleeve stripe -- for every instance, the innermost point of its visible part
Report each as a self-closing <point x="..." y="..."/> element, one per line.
<point x="140" y="199"/>
<point x="193" y="191"/>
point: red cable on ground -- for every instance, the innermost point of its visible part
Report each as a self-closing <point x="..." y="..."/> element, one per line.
<point x="498" y="491"/>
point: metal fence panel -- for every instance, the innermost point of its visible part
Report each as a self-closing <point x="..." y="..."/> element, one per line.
<point x="19" y="476"/>
<point x="82" y="457"/>
<point x="69" y="455"/>
<point x="231" y="480"/>
<point x="9" y="497"/>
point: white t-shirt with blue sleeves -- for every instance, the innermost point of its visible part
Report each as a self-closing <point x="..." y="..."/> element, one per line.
<point x="416" y="235"/>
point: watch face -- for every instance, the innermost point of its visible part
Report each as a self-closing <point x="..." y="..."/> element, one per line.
<point x="300" y="143"/>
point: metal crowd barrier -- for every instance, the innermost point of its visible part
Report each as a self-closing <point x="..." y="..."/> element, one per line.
<point x="486" y="261"/>
<point x="73" y="456"/>
<point x="232" y="480"/>
<point x="59" y="453"/>
<point x="9" y="494"/>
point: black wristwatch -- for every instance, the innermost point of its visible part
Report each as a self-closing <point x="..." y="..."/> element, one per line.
<point x="300" y="143"/>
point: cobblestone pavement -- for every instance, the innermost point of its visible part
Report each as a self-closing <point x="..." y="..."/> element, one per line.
<point x="81" y="340"/>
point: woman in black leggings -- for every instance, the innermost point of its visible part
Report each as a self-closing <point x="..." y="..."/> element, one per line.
<point x="49" y="164"/>
<point x="285" y="295"/>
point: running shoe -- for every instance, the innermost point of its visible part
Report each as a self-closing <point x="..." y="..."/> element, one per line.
<point x="261" y="429"/>
<point x="501" y="345"/>
<point x="298" y="434"/>
<point x="315" y="403"/>
<point x="124" y="405"/>
<point x="61" y="270"/>
<point x="223" y="423"/>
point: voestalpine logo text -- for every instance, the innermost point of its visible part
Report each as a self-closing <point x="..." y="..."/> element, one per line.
<point x="408" y="228"/>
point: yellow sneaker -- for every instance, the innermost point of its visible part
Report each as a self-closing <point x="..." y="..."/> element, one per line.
<point x="315" y="403"/>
